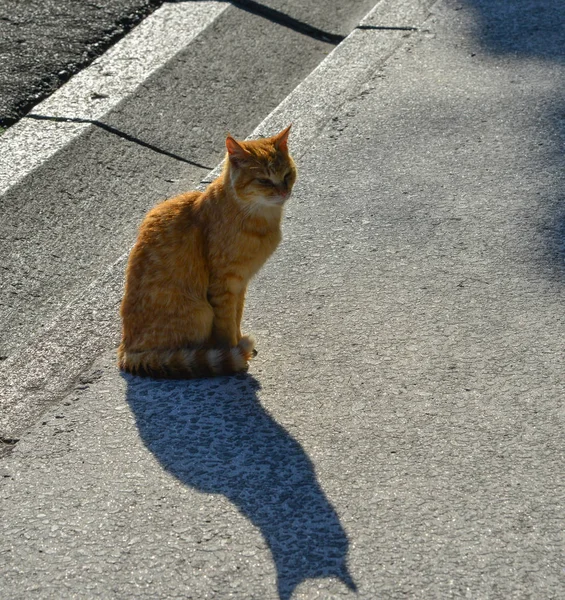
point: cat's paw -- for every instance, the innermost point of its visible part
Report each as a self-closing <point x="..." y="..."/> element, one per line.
<point x="247" y="345"/>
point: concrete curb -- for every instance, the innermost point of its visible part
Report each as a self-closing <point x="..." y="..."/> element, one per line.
<point x="44" y="370"/>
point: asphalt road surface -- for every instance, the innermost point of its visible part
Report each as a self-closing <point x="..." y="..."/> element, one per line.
<point x="43" y="43"/>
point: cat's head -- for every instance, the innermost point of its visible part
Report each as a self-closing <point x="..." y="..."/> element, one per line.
<point x="261" y="171"/>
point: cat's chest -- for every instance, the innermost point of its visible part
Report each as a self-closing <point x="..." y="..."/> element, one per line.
<point x="251" y="250"/>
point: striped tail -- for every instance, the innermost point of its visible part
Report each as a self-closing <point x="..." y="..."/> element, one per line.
<point x="188" y="363"/>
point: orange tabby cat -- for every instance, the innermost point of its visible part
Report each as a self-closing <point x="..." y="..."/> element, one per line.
<point x="195" y="254"/>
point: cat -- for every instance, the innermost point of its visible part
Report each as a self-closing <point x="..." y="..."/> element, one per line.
<point x="188" y="271"/>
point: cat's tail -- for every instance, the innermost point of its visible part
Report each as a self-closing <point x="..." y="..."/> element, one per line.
<point x="188" y="363"/>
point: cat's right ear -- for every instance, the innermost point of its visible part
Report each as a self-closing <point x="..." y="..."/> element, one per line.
<point x="236" y="151"/>
<point x="281" y="139"/>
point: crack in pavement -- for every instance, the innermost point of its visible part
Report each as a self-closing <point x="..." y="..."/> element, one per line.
<point x="385" y="28"/>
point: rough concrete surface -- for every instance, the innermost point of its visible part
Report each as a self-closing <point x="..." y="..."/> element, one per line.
<point x="400" y="432"/>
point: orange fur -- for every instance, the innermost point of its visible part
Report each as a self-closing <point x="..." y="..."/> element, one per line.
<point x="188" y="272"/>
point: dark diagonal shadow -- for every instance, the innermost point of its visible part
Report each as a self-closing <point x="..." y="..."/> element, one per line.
<point x="118" y="133"/>
<point x="214" y="436"/>
<point x="281" y="18"/>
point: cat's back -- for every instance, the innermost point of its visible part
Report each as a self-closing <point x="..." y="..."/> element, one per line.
<point x="170" y="218"/>
<point x="177" y="211"/>
<point x="167" y="225"/>
<point x="170" y="231"/>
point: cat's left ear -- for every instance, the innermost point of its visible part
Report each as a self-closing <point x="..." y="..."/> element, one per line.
<point x="281" y="139"/>
<point x="237" y="153"/>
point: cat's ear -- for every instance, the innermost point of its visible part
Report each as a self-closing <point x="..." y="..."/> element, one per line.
<point x="281" y="139"/>
<point x="237" y="153"/>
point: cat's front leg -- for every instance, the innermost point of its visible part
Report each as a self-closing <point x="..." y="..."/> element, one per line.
<point x="239" y="312"/>
<point x="225" y="329"/>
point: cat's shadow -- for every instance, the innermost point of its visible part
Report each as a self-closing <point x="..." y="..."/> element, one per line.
<point x="214" y="436"/>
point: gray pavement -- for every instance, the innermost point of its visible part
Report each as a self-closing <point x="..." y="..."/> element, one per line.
<point x="400" y="433"/>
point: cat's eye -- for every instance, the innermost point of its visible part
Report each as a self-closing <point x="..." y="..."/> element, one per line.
<point x="265" y="181"/>
<point x="287" y="177"/>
